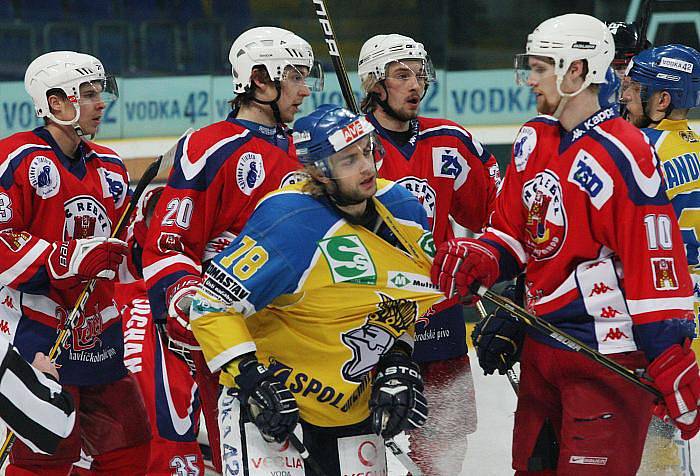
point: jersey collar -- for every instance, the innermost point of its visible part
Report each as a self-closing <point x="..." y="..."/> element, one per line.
<point x="671" y="125"/>
<point x="410" y="146"/>
<point x="266" y="133"/>
<point x="596" y="119"/>
<point x="74" y="165"/>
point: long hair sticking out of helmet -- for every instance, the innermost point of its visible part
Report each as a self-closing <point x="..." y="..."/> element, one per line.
<point x="674" y="69"/>
<point x="376" y="55"/>
<point x="276" y="51"/>
<point x="325" y="132"/>
<point x="62" y="73"/>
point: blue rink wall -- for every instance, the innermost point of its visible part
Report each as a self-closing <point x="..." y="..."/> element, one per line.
<point x="166" y="106"/>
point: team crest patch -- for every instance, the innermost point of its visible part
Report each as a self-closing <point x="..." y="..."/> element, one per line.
<point x="348" y="260"/>
<point x="14" y="240"/>
<point x="545" y="228"/>
<point x="591" y="178"/>
<point x="524" y="144"/>
<point x="250" y="172"/>
<point x="390" y="320"/>
<point x="293" y="177"/>
<point x="85" y="217"/>
<point x="170" y="242"/>
<point x="113" y="186"/>
<point x="421" y="189"/>
<point x="44" y="176"/>
<point x="449" y="163"/>
<point x="664" y="271"/>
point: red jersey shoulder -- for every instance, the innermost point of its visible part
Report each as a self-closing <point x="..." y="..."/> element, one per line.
<point x="19" y="142"/>
<point x="538" y="134"/>
<point x="631" y="143"/>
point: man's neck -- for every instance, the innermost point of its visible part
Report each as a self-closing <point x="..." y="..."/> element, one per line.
<point x="258" y="113"/>
<point x="390" y="123"/>
<point x="65" y="136"/>
<point x="578" y="108"/>
<point x="355" y="210"/>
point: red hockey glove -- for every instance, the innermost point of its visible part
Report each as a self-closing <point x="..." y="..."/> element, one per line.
<point x="675" y="374"/>
<point x="179" y="297"/>
<point x="83" y="259"/>
<point x="460" y="262"/>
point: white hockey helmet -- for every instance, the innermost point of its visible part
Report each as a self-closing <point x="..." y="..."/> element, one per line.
<point x="67" y="71"/>
<point x="565" y="39"/>
<point x="381" y="50"/>
<point x="275" y="49"/>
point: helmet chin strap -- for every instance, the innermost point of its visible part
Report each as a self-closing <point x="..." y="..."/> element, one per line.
<point x="566" y="96"/>
<point x="73" y="122"/>
<point x="338" y="198"/>
<point x="273" y="104"/>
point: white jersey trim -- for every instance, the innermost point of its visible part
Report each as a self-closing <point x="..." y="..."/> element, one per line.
<point x="641" y="306"/>
<point x="151" y="270"/>
<point x="6" y="163"/>
<point x="190" y="169"/>
<point x="25" y="262"/>
<point x="515" y="246"/>
<point x="229" y="354"/>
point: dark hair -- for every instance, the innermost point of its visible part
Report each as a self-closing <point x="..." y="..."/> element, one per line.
<point x="243" y="99"/>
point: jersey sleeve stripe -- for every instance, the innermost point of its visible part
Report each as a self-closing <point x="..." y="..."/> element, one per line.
<point x="23" y="264"/>
<point x="229" y="354"/>
<point x="163" y="264"/>
<point x="512" y="244"/>
<point x="641" y="306"/>
<point x="13" y="159"/>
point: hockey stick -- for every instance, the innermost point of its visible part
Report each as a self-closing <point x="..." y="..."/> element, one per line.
<point x="304" y="453"/>
<point x="161" y="164"/>
<point x="547" y="329"/>
<point x="334" y="50"/>
<point x="405" y="460"/>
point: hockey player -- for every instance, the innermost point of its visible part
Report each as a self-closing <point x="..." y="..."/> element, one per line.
<point x="661" y="86"/>
<point x="310" y="311"/>
<point x="162" y="370"/>
<point x="61" y="195"/>
<point x="220" y="173"/>
<point x="452" y="174"/>
<point x="583" y="208"/>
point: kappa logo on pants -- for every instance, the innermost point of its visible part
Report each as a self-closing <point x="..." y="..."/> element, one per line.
<point x="596" y="460"/>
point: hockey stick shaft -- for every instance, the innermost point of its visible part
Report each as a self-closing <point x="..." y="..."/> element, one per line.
<point x="405" y="460"/>
<point x="547" y="329"/>
<point x="157" y="166"/>
<point x="304" y="453"/>
<point x="334" y="50"/>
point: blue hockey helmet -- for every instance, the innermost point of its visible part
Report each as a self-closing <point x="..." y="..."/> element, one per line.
<point x="609" y="91"/>
<point x="671" y="68"/>
<point x="326" y="131"/>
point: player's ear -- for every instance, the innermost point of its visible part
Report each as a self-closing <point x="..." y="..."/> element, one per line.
<point x="663" y="100"/>
<point x="577" y="68"/>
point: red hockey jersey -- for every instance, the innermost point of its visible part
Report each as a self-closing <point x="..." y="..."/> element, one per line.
<point x="587" y="213"/>
<point x="451" y="174"/>
<point x="45" y="197"/>
<point x="220" y="173"/>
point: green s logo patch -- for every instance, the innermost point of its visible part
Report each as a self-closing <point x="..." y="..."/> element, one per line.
<point x="427" y="244"/>
<point x="348" y="259"/>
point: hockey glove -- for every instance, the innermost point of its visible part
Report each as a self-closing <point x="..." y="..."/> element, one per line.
<point x="269" y="403"/>
<point x="498" y="341"/>
<point x="179" y="298"/>
<point x="82" y="259"/>
<point x="460" y="262"/>
<point x="675" y="374"/>
<point x="397" y="402"/>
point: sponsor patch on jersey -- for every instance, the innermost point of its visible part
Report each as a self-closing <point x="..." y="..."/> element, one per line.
<point x="591" y="178"/>
<point x="664" y="270"/>
<point x="421" y="189"/>
<point x="678" y="65"/>
<point x="250" y="172"/>
<point x="427" y="244"/>
<point x="410" y="282"/>
<point x="495" y="174"/>
<point x="594" y="460"/>
<point x="688" y="136"/>
<point x="170" y="242"/>
<point x="113" y="185"/>
<point x="14" y="240"/>
<point x="348" y="260"/>
<point x="44" y="176"/>
<point x="85" y="217"/>
<point x="449" y="163"/>
<point x="224" y="287"/>
<point x="545" y="228"/>
<point x="216" y="245"/>
<point x="524" y="144"/>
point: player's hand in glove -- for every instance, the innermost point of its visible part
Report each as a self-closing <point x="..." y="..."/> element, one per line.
<point x="73" y="261"/>
<point x="675" y="374"/>
<point x="460" y="262"/>
<point x="397" y="402"/>
<point x="269" y="403"/>
<point x="498" y="341"/>
<point x="179" y="298"/>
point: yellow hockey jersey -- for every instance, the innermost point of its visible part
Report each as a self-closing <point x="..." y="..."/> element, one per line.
<point x="318" y="298"/>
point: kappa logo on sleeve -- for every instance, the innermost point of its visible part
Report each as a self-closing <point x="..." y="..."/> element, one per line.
<point x="250" y="172"/>
<point x="349" y="260"/>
